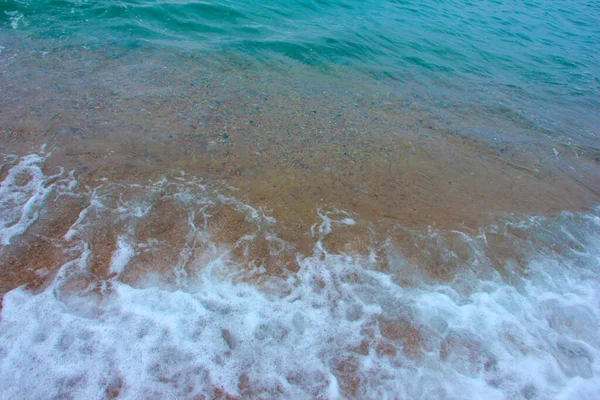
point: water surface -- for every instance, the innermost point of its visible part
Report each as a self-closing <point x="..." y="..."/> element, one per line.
<point x="304" y="199"/>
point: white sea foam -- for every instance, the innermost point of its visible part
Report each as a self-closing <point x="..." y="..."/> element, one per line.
<point x="16" y="19"/>
<point x="339" y="327"/>
<point x="23" y="194"/>
<point x="121" y="256"/>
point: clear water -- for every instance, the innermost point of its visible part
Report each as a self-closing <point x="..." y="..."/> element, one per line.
<point x="300" y="199"/>
<point x="538" y="58"/>
<point x="341" y="326"/>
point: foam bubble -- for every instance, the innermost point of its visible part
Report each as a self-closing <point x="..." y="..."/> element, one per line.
<point x="121" y="256"/>
<point x="16" y="19"/>
<point x="22" y="195"/>
<point x="340" y="326"/>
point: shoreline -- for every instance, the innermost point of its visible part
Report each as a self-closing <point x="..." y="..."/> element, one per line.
<point x="291" y="147"/>
<point x="238" y="232"/>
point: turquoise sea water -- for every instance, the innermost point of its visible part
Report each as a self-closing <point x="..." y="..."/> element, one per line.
<point x="541" y="56"/>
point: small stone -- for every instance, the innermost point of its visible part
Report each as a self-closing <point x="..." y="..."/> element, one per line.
<point x="228" y="337"/>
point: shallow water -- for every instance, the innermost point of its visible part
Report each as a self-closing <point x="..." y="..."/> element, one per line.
<point x="178" y="288"/>
<point x="537" y="60"/>
<point x="300" y="200"/>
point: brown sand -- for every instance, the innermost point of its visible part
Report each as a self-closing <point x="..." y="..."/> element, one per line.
<point x="289" y="143"/>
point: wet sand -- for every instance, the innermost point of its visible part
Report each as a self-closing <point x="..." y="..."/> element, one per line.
<point x="286" y="142"/>
<point x="161" y="161"/>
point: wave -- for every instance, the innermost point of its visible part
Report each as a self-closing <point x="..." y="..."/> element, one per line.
<point x="186" y="307"/>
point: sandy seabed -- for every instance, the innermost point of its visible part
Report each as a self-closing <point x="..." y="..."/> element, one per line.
<point x="179" y="226"/>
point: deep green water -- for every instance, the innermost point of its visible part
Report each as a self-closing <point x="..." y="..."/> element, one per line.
<point x="541" y="58"/>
